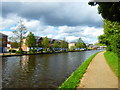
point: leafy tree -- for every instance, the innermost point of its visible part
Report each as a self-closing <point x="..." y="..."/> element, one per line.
<point x="40" y="44"/>
<point x="14" y="44"/>
<point x="30" y="40"/>
<point x="45" y="42"/>
<point x="80" y="44"/>
<point x="66" y="44"/>
<point x="111" y="36"/>
<point x="108" y="10"/>
<point x="99" y="44"/>
<point x="55" y="44"/>
<point x="20" y="32"/>
<point x="63" y="44"/>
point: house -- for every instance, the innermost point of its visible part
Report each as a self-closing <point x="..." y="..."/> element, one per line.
<point x="9" y="45"/>
<point x="24" y="46"/>
<point x="90" y="46"/>
<point x="39" y="43"/>
<point x="72" y="45"/>
<point x="3" y="43"/>
<point x="12" y="45"/>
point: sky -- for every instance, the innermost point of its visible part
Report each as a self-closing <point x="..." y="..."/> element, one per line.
<point x="58" y="20"/>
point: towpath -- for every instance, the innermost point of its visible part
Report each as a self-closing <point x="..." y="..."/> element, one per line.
<point x="99" y="74"/>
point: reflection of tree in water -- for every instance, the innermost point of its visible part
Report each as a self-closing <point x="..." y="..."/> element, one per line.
<point x="24" y="63"/>
<point x="27" y="64"/>
<point x="32" y="62"/>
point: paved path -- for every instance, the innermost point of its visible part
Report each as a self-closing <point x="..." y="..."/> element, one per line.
<point x="99" y="74"/>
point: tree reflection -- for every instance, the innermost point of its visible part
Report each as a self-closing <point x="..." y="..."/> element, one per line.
<point x="27" y="64"/>
<point x="24" y="63"/>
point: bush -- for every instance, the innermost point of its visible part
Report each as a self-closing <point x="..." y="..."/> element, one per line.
<point x="72" y="48"/>
<point x="32" y="51"/>
<point x="108" y="48"/>
<point x="64" y="51"/>
<point x="12" y="51"/>
<point x="111" y="36"/>
<point x="19" y="52"/>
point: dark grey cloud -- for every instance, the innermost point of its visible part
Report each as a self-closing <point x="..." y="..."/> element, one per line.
<point x="55" y="14"/>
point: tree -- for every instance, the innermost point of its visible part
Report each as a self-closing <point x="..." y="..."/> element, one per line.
<point x="40" y="44"/>
<point x="55" y="44"/>
<point x="45" y="42"/>
<point x="111" y="36"/>
<point x="66" y="44"/>
<point x="80" y="44"/>
<point x="108" y="10"/>
<point x="30" y="40"/>
<point x="99" y="44"/>
<point x="20" y="32"/>
<point x="14" y="44"/>
<point x="13" y="39"/>
<point x="63" y="44"/>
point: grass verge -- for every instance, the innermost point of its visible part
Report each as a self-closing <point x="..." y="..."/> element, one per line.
<point x="75" y="77"/>
<point x="112" y="60"/>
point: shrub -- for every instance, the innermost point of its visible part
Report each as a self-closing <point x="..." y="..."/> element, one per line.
<point x="32" y="51"/>
<point x="19" y="52"/>
<point x="111" y="36"/>
<point x="12" y="51"/>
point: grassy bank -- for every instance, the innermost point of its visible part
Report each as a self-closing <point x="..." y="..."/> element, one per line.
<point x="75" y="77"/>
<point x="112" y="60"/>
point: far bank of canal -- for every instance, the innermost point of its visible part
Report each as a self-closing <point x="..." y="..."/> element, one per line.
<point x="41" y="71"/>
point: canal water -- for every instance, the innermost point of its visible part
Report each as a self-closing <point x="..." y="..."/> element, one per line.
<point x="41" y="71"/>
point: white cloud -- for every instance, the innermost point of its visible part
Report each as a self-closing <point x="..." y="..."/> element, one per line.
<point x="92" y="31"/>
<point x="11" y="19"/>
<point x="72" y="38"/>
<point x="9" y="33"/>
<point x="88" y="34"/>
<point x="70" y="33"/>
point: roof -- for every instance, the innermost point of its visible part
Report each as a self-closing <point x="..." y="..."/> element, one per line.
<point x="38" y="37"/>
<point x="3" y="34"/>
<point x="50" y="39"/>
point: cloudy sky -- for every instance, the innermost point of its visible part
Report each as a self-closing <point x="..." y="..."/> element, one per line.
<point x="58" y="20"/>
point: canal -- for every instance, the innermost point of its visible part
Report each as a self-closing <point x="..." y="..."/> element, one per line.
<point x="41" y="71"/>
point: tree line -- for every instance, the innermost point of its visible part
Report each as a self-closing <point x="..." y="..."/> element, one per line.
<point x="45" y="43"/>
<point x="110" y="11"/>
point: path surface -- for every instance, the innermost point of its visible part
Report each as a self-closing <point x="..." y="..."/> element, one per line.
<point x="99" y="74"/>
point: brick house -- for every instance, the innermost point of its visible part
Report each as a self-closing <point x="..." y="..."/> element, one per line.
<point x="38" y="42"/>
<point x="3" y="43"/>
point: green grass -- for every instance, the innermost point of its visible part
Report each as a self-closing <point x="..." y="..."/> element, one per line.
<point x="113" y="60"/>
<point x="75" y="77"/>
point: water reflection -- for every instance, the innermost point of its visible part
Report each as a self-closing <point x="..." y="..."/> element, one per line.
<point x="27" y="63"/>
<point x="24" y="63"/>
<point x="41" y="71"/>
